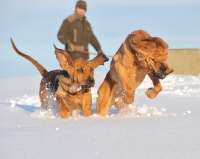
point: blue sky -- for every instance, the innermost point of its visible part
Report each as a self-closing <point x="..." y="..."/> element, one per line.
<point x="33" y="25"/>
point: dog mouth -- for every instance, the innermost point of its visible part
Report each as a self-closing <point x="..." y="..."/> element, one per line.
<point x="82" y="88"/>
<point x="85" y="88"/>
<point x="160" y="76"/>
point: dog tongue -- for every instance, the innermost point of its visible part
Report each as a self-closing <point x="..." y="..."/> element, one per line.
<point x="162" y="76"/>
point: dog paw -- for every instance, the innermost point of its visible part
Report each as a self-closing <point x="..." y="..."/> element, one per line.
<point x="65" y="114"/>
<point x="129" y="99"/>
<point x="87" y="113"/>
<point x="151" y="93"/>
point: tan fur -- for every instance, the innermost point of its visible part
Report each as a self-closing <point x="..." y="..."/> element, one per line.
<point x="138" y="56"/>
<point x="78" y="74"/>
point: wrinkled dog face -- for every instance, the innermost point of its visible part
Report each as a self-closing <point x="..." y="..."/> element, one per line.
<point x="160" y="69"/>
<point x="157" y="58"/>
<point x="151" y="53"/>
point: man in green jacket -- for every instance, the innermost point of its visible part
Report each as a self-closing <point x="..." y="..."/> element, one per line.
<point x="76" y="33"/>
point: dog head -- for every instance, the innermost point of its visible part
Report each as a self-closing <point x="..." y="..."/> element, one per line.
<point x="151" y="53"/>
<point x="80" y="70"/>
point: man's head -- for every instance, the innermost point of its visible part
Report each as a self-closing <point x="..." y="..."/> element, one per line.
<point x="81" y="7"/>
<point x="81" y="4"/>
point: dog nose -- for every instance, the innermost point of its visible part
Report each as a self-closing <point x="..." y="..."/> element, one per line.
<point x="163" y="68"/>
<point x="106" y="58"/>
<point x="90" y="80"/>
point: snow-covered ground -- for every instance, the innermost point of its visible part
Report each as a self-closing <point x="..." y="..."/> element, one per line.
<point x="167" y="127"/>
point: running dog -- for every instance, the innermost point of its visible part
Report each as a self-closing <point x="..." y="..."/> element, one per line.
<point x="70" y="86"/>
<point x="139" y="55"/>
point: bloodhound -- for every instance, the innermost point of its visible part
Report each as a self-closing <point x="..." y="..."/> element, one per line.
<point x="70" y="86"/>
<point x="138" y="56"/>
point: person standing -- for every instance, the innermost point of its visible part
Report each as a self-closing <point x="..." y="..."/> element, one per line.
<point x="76" y="33"/>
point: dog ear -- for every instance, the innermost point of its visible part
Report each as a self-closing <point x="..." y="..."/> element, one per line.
<point x="147" y="39"/>
<point x="98" y="60"/>
<point x="64" y="59"/>
<point x="139" y="35"/>
<point x="140" y="56"/>
<point x="138" y="40"/>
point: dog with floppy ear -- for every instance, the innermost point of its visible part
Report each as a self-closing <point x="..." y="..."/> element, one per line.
<point x="70" y="86"/>
<point x="138" y="56"/>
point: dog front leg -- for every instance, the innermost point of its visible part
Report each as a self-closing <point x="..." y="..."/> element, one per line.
<point x="64" y="111"/>
<point x="87" y="104"/>
<point x="152" y="92"/>
<point x="123" y="74"/>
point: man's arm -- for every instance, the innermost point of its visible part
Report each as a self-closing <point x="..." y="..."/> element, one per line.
<point x="64" y="32"/>
<point x="95" y="43"/>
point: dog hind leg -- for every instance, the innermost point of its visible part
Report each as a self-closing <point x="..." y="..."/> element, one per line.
<point x="44" y="94"/>
<point x="104" y="100"/>
<point x="119" y="102"/>
<point x="122" y="107"/>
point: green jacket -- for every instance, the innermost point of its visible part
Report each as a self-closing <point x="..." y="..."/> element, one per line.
<point x="77" y="30"/>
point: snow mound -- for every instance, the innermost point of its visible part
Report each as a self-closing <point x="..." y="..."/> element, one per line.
<point x="12" y="103"/>
<point x="29" y="100"/>
<point x="150" y="111"/>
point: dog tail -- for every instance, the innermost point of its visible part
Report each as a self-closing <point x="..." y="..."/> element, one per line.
<point x="40" y="68"/>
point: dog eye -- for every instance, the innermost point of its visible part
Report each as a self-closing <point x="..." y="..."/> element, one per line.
<point x="80" y="70"/>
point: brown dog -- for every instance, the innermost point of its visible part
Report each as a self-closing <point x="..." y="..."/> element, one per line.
<point x="138" y="56"/>
<point x="70" y="86"/>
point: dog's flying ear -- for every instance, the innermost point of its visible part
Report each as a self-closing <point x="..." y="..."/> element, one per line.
<point x="98" y="60"/>
<point x="138" y="36"/>
<point x="140" y="56"/>
<point x="139" y="40"/>
<point x="147" y="39"/>
<point x="64" y="59"/>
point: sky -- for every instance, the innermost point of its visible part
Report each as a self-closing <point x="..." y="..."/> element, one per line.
<point x="33" y="25"/>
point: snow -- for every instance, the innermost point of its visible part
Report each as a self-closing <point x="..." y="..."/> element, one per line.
<point x="164" y="127"/>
